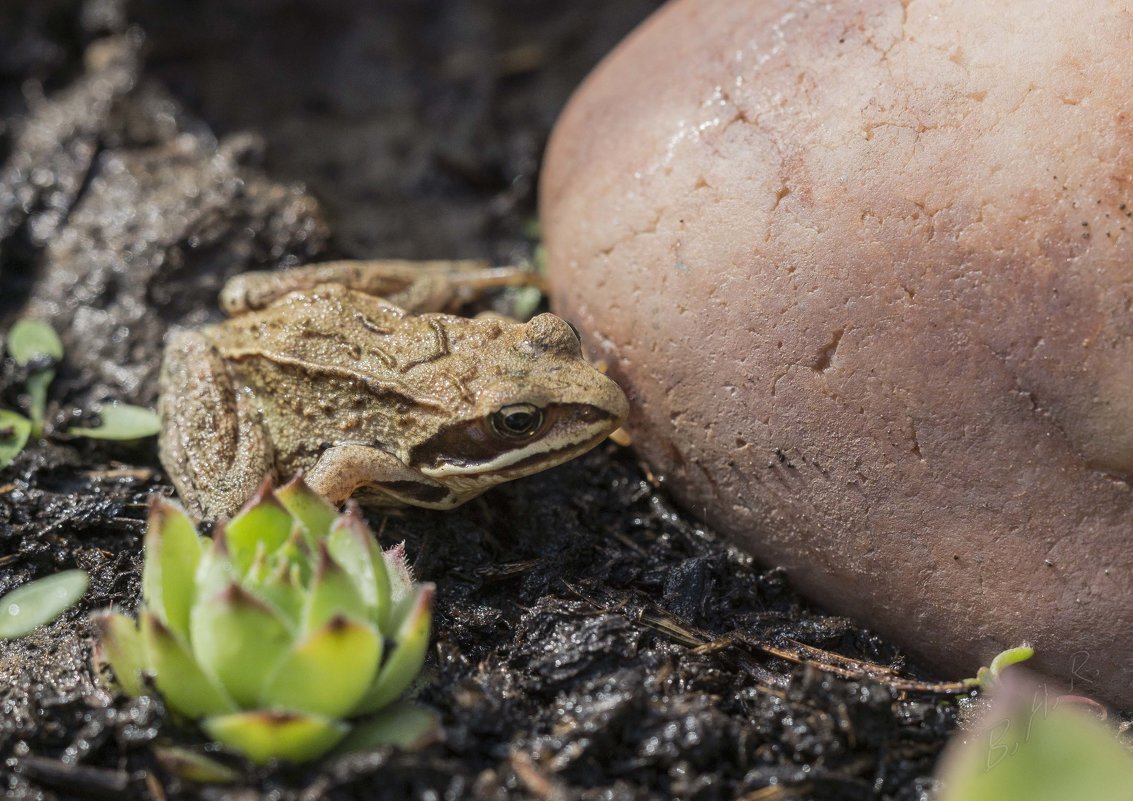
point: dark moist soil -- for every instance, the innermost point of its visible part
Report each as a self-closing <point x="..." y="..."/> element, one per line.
<point x="591" y="641"/>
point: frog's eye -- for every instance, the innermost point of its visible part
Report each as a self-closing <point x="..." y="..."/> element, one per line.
<point x="517" y="421"/>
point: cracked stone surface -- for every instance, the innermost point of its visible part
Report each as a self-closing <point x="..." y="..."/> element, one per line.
<point x="865" y="271"/>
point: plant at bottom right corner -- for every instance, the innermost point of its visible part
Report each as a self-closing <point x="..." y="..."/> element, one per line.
<point x="1032" y="752"/>
<point x="282" y="635"/>
<point x="1033" y="744"/>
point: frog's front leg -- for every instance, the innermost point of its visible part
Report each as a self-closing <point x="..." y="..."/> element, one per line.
<point x="212" y="443"/>
<point x="344" y="468"/>
<point x="416" y="286"/>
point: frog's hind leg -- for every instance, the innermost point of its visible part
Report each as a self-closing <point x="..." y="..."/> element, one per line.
<point x="212" y="445"/>
<point x="416" y="286"/>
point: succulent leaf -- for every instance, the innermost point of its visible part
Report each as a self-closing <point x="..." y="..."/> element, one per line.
<point x="177" y="675"/>
<point x="354" y="547"/>
<point x="401" y="583"/>
<point x="332" y="593"/>
<point x="214" y="572"/>
<point x="121" y="648"/>
<point x="194" y="767"/>
<point x="294" y="556"/>
<point x="401" y="724"/>
<point x="328" y="672"/>
<point x="238" y="639"/>
<point x="262" y="523"/>
<point x="312" y="510"/>
<point x="283" y="589"/>
<point x="173" y="552"/>
<point x="404" y="663"/>
<point x="263" y="736"/>
<point x="259" y="570"/>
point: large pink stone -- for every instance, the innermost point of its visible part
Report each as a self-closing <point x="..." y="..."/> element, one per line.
<point x="866" y="271"/>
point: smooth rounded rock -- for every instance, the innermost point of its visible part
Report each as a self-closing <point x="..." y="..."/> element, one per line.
<point x="866" y="272"/>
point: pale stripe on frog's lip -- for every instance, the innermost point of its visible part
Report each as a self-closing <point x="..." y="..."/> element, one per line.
<point x="514" y="465"/>
<point x="594" y="425"/>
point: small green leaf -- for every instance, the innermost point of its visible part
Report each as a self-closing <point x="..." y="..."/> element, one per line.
<point x="354" y="547"/>
<point x="173" y="551"/>
<point x="194" y="767"/>
<point x="258" y="570"/>
<point x="262" y="736"/>
<point x="122" y="421"/>
<point x="14" y="432"/>
<point x="332" y="593"/>
<point x="296" y="555"/>
<point x="401" y="725"/>
<point x="312" y="510"/>
<point x="176" y="674"/>
<point x="39" y="602"/>
<point x="328" y="672"/>
<point x="283" y="589"/>
<point x="263" y="521"/>
<point x="411" y="643"/>
<point x="238" y="639"/>
<point x="215" y="571"/>
<point x="29" y="339"/>
<point x="120" y="647"/>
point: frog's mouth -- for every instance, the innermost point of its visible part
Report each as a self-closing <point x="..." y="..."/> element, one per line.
<point x="473" y="448"/>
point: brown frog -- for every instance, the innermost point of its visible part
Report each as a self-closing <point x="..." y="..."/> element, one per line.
<point x="348" y="372"/>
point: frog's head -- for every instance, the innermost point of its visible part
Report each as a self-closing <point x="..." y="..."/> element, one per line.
<point x="534" y="402"/>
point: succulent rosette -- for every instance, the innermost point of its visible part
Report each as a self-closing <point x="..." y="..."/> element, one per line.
<point x="280" y="632"/>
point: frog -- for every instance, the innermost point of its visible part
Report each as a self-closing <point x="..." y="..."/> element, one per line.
<point x="359" y="376"/>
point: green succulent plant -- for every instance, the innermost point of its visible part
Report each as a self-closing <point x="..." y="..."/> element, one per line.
<point x="280" y="632"/>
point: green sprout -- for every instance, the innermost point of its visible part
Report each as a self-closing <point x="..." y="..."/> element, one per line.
<point x="986" y="677"/>
<point x="36" y="347"/>
<point x="280" y="633"/>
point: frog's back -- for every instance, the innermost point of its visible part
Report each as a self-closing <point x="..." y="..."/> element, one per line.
<point x="327" y="327"/>
<point x="330" y="365"/>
